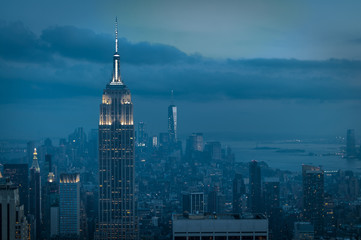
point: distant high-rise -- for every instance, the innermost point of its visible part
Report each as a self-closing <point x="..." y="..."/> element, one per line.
<point x="239" y="189"/>
<point x="117" y="216"/>
<point x="13" y="223"/>
<point x="313" y="197"/>
<point x="19" y="176"/>
<point x="35" y="193"/>
<point x="350" y="143"/>
<point x="195" y="142"/>
<point x="69" y="204"/>
<point x="172" y="122"/>
<point x="255" y="187"/>
<point x="214" y="149"/>
<point x="141" y="135"/>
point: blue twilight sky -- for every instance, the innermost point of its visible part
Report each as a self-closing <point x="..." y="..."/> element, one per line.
<point x="239" y="69"/>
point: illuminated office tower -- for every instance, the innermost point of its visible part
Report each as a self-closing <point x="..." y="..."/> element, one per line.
<point x="69" y="204"/>
<point x="313" y="197"/>
<point x="35" y="193"/>
<point x="172" y="122"/>
<point x="117" y="216"/>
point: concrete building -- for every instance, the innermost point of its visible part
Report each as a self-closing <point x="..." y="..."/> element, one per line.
<point x="220" y="227"/>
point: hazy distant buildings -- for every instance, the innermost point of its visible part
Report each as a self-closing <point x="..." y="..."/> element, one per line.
<point x="117" y="216"/>
<point x="351" y="144"/>
<point x="69" y="205"/>
<point x="313" y="197"/>
<point x="195" y="142"/>
<point x="19" y="176"/>
<point x="214" y="149"/>
<point x="35" y="194"/>
<point x="13" y="224"/>
<point x="220" y="227"/>
<point x="255" y="187"/>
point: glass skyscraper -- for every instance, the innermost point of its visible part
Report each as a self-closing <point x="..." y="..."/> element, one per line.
<point x="69" y="204"/>
<point x="117" y="216"/>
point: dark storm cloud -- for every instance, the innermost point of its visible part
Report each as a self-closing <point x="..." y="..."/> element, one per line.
<point x="256" y="79"/>
<point x="84" y="44"/>
<point x="152" y="70"/>
<point x="17" y="43"/>
<point x="20" y="44"/>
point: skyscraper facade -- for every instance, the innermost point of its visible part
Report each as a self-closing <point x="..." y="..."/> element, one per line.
<point x="35" y="194"/>
<point x="313" y="197"/>
<point x="255" y="187"/>
<point x="239" y="189"/>
<point x="117" y="216"/>
<point x="69" y="204"/>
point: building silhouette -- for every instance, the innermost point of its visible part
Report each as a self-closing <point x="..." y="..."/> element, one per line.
<point x="313" y="197"/>
<point x="69" y="205"/>
<point x="255" y="187"/>
<point x="50" y="203"/>
<point x="239" y="189"/>
<point x="19" y="176"/>
<point x="13" y="223"/>
<point x="117" y="216"/>
<point x="35" y="194"/>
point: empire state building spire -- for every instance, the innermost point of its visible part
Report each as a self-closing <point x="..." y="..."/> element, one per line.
<point x="116" y="80"/>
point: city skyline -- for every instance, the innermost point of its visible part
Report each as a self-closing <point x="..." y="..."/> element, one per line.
<point x="268" y="78"/>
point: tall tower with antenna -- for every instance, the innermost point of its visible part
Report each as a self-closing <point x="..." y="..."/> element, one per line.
<point x="117" y="211"/>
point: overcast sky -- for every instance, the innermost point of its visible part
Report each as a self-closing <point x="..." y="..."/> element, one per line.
<point x="237" y="68"/>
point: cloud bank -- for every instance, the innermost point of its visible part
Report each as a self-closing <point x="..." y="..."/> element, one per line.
<point x="67" y="62"/>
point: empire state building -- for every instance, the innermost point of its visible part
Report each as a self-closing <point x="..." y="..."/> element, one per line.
<point x="117" y="216"/>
